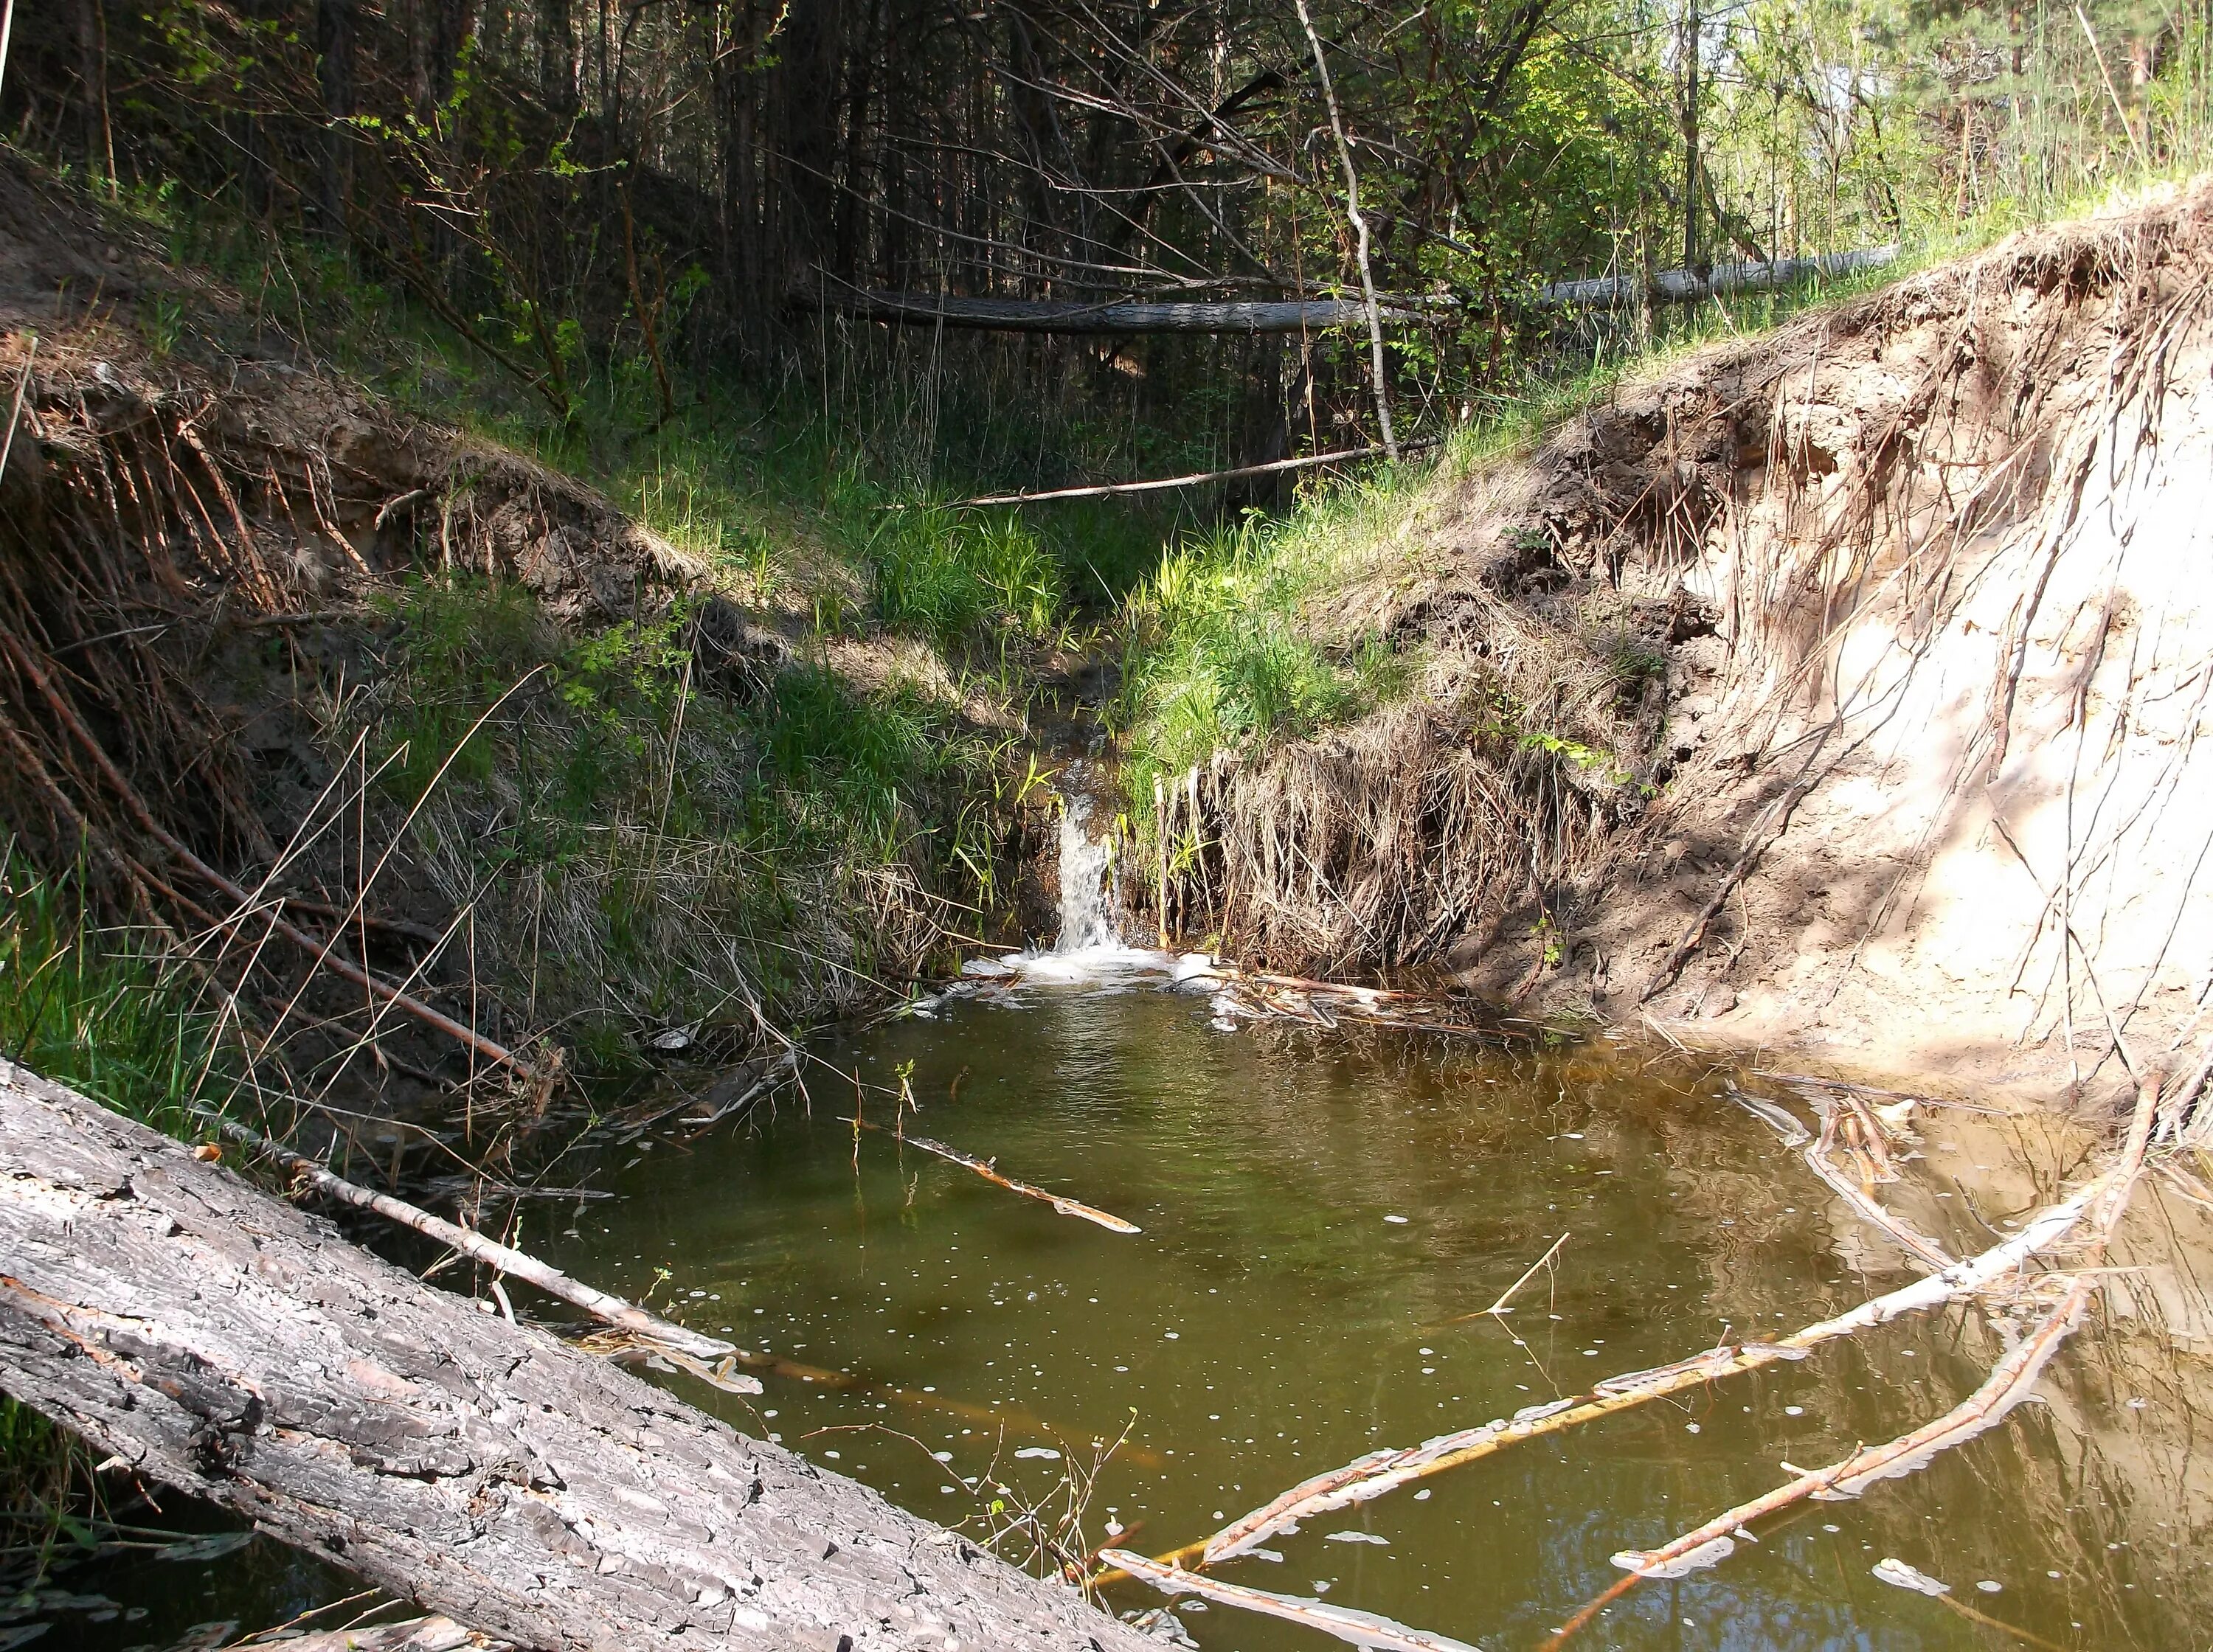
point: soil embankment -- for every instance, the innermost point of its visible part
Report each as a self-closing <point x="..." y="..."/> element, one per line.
<point x="1837" y="690"/>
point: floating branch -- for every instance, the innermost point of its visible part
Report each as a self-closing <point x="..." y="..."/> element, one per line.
<point x="984" y="1168"/>
<point x="625" y="1316"/>
<point x="1364" y="1629"/>
<point x="1379" y="1472"/>
<point x="2009" y="1383"/>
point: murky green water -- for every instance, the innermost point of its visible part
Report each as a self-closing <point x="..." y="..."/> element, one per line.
<point x="1325" y="1215"/>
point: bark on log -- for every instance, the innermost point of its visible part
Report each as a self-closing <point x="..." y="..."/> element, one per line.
<point x="1688" y="287"/>
<point x="218" y="1340"/>
<point x="1045" y="315"/>
<point x="1312" y="314"/>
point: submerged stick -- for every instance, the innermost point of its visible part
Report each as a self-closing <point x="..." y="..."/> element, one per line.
<point x="625" y="1316"/>
<point x="2008" y="1384"/>
<point x="1364" y="1629"/>
<point x="983" y="1168"/>
<point x="1379" y="1472"/>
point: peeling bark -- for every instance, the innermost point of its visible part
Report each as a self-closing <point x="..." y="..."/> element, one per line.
<point x="219" y="1341"/>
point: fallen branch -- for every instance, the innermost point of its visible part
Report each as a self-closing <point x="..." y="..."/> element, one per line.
<point x="502" y="1258"/>
<point x="1363" y="1629"/>
<point x="1196" y="478"/>
<point x="983" y="1168"/>
<point x="1507" y="1296"/>
<point x="2008" y="1384"/>
<point x="1379" y="1473"/>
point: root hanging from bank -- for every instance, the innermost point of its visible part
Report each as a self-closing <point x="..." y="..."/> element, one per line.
<point x="1754" y="663"/>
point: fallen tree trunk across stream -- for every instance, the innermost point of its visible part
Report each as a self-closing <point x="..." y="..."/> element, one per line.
<point x="216" y="1340"/>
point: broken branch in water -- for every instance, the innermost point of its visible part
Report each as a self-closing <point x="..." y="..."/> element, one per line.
<point x="983" y="1168"/>
<point x="2008" y="1384"/>
<point x="1507" y="1296"/>
<point x="626" y="1316"/>
<point x="1379" y="1472"/>
<point x="1364" y="1629"/>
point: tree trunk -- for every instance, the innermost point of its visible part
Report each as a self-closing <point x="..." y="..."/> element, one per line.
<point x="1075" y="316"/>
<point x="335" y="26"/>
<point x="219" y="1341"/>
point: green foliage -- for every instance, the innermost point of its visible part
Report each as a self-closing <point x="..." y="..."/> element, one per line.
<point x="955" y="575"/>
<point x="100" y="1011"/>
<point x="1220" y="648"/>
<point x="47" y="1486"/>
<point x="645" y="838"/>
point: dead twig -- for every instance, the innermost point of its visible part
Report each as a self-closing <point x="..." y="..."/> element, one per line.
<point x="1361" y="1628"/>
<point x="671" y="1338"/>
<point x="1067" y="1207"/>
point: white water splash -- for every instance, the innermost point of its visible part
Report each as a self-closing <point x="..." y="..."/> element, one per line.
<point x="1087" y="918"/>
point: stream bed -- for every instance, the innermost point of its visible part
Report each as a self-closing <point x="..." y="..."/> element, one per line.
<point x="1326" y="1217"/>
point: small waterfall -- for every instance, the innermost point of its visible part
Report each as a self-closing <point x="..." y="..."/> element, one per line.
<point x="1087" y="918"/>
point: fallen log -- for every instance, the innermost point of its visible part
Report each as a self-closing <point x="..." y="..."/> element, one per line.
<point x="215" y="1339"/>
<point x="1689" y="287"/>
<point x="1115" y="317"/>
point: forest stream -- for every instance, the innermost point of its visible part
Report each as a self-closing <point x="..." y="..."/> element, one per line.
<point x="1324" y="1218"/>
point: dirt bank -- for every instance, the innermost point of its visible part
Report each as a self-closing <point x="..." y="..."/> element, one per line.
<point x="1836" y="692"/>
<point x="450" y="715"/>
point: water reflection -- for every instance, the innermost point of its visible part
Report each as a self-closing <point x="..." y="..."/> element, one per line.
<point x="1324" y="1218"/>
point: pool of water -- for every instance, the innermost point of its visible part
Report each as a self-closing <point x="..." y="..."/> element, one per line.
<point x="1325" y="1215"/>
